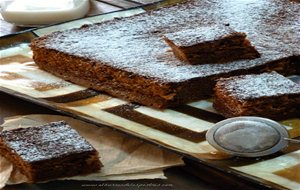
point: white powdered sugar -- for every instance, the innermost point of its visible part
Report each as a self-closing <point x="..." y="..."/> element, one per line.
<point x="204" y="34"/>
<point x="261" y="85"/>
<point x="135" y="44"/>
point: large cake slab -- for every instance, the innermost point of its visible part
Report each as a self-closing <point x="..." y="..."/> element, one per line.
<point x="128" y="58"/>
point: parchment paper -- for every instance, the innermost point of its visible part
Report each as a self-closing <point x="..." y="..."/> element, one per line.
<point x="123" y="157"/>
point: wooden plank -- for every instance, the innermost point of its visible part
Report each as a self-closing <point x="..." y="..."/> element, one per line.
<point x="144" y="2"/>
<point x="100" y="7"/>
<point x="121" y="3"/>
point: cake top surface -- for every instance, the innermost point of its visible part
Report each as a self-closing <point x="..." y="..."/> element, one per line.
<point x="204" y="34"/>
<point x="247" y="87"/>
<point x="135" y="44"/>
<point x="52" y="140"/>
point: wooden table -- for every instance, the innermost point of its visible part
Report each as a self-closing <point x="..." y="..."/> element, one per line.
<point x="178" y="177"/>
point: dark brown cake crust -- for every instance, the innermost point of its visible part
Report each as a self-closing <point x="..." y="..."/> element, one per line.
<point x="210" y="44"/>
<point x="49" y="151"/>
<point x="135" y="64"/>
<point x="267" y="95"/>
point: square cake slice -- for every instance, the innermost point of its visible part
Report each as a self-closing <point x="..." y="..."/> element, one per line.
<point x="49" y="151"/>
<point x="210" y="44"/>
<point x="268" y="95"/>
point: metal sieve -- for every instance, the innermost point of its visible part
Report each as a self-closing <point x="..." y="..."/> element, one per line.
<point x="248" y="136"/>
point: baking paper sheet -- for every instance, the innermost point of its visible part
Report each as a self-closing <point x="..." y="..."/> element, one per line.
<point x="123" y="157"/>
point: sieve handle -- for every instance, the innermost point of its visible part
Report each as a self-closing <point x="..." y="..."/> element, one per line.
<point x="292" y="140"/>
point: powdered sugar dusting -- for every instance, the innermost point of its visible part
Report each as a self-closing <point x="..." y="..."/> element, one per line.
<point x="205" y="34"/>
<point x="52" y="140"/>
<point x="257" y="86"/>
<point x="135" y="44"/>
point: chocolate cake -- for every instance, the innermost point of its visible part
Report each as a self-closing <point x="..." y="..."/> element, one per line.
<point x="49" y="151"/>
<point x="268" y="95"/>
<point x="128" y="58"/>
<point x="210" y="44"/>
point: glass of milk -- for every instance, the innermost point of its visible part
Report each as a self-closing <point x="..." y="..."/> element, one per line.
<point x="42" y="12"/>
